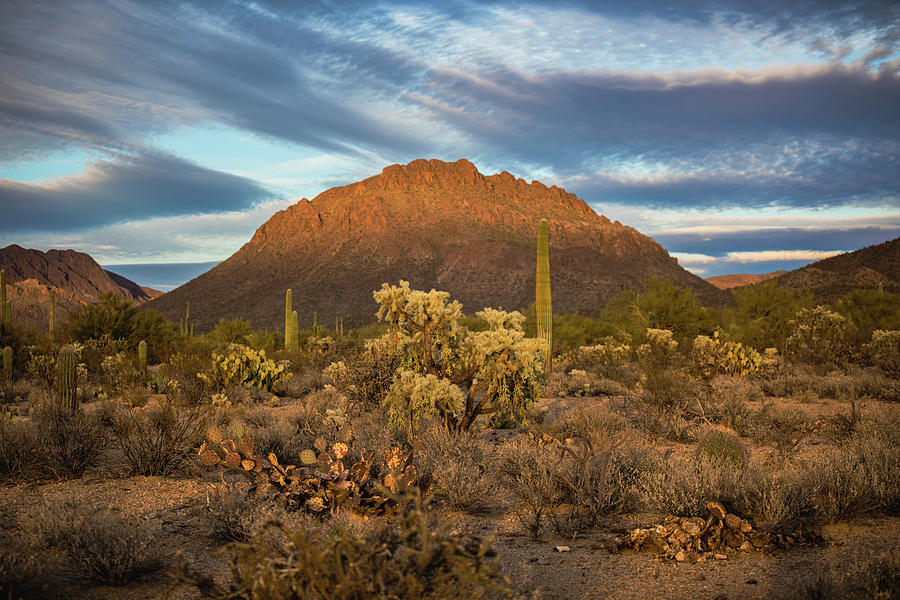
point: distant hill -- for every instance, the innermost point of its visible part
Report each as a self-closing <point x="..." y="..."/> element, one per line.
<point x="438" y="225"/>
<point x="831" y="278"/>
<point x="75" y="278"/>
<point x="726" y="282"/>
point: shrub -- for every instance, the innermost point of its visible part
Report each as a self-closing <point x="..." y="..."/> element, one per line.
<point x="684" y="485"/>
<point x="417" y="559"/>
<point x="610" y="359"/>
<point x="527" y="469"/>
<point x="159" y="439"/>
<point x="457" y="469"/>
<point x="182" y="385"/>
<point x="103" y="546"/>
<point x="20" y="566"/>
<point x="68" y="444"/>
<point x="18" y="446"/>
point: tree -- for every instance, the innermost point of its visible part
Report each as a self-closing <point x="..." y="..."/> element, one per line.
<point x="765" y="311"/>
<point x="454" y="374"/>
<point x="112" y="315"/>
<point x="867" y="310"/>
<point x="664" y="305"/>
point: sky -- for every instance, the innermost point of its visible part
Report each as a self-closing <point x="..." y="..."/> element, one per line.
<point x="744" y="136"/>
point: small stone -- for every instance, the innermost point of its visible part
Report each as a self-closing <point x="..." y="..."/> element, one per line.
<point x="691" y="528"/>
<point x="746" y="546"/>
<point x="733" y="539"/>
<point x="758" y="539"/>
<point x="681" y="556"/>
<point x="746" y="527"/>
<point x="543" y="561"/>
<point x="752" y="581"/>
<point x="718" y="556"/>
<point x="732" y="521"/>
<point x="561" y="549"/>
<point x="700" y="559"/>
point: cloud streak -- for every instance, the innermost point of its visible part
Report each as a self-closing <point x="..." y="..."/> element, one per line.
<point x="130" y="187"/>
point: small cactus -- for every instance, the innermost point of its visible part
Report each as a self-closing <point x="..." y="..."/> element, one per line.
<point x="723" y="445"/>
<point x="142" y="356"/>
<point x="67" y="379"/>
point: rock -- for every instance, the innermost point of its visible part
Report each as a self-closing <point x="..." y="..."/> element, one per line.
<point x="733" y="521"/>
<point x="746" y="527"/>
<point x="681" y="556"/>
<point x="758" y="539"/>
<point x="561" y="549"/>
<point x="666" y="530"/>
<point x="680" y="536"/>
<point x="733" y="539"/>
<point x="718" y="556"/>
<point x="746" y="546"/>
<point x="691" y="528"/>
<point x="716" y="509"/>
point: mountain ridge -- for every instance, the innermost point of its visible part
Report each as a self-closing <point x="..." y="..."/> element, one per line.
<point x="438" y="225"/>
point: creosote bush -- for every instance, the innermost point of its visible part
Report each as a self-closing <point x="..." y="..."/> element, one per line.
<point x="457" y="468"/>
<point x="68" y="444"/>
<point x="158" y="439"/>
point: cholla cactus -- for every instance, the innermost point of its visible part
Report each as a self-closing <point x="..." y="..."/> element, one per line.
<point x="495" y="370"/>
<point x="817" y="334"/>
<point x="884" y="351"/>
<point x="242" y="365"/>
<point x="660" y="349"/>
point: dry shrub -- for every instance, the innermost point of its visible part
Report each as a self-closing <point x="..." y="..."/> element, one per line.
<point x="18" y="447"/>
<point x="684" y="485"/>
<point x="68" y="444"/>
<point x="457" y="468"/>
<point x="527" y="470"/>
<point x="102" y="546"/>
<point x="159" y="439"/>
<point x="416" y="558"/>
<point x="235" y="515"/>
<point x="20" y="568"/>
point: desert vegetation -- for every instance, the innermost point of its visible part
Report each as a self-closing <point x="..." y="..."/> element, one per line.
<point x="436" y="453"/>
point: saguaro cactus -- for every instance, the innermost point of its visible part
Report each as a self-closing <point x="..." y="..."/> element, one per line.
<point x="187" y="328"/>
<point x="142" y="356"/>
<point x="5" y="312"/>
<point x="7" y="362"/>
<point x="67" y="378"/>
<point x="315" y="323"/>
<point x="542" y="305"/>
<point x="288" y="309"/>
<point x="52" y="312"/>
<point x="295" y="331"/>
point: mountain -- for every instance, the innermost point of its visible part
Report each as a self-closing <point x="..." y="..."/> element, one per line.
<point x="438" y="225"/>
<point x="831" y="278"/>
<point x="75" y="278"/>
<point x="726" y="282"/>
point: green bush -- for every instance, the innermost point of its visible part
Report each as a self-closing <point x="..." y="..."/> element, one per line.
<point x="818" y="335"/>
<point x="723" y="446"/>
<point x="884" y="351"/>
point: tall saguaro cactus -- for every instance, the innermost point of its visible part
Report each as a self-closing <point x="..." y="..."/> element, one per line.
<point x="142" y="356"/>
<point x="52" y="312"/>
<point x="5" y="310"/>
<point x="67" y="379"/>
<point x="187" y="328"/>
<point x="295" y="331"/>
<point x="542" y="305"/>
<point x="288" y="309"/>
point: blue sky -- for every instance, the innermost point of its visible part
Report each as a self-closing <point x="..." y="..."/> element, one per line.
<point x="743" y="136"/>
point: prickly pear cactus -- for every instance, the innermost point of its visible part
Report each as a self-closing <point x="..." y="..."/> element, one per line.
<point x="67" y="378"/>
